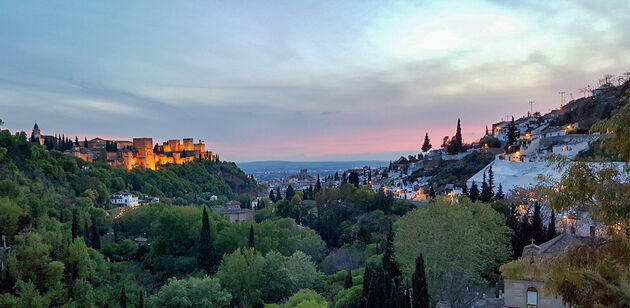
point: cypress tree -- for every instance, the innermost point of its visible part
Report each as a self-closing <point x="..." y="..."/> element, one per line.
<point x="491" y="182"/>
<point x="465" y="190"/>
<point x="390" y="266"/>
<point x="75" y="224"/>
<point x="431" y="192"/>
<point x="500" y="195"/>
<point x="426" y="146"/>
<point x="511" y="136"/>
<point x="551" y="229"/>
<point x="289" y="193"/>
<point x="123" y="297"/>
<point x="85" y="143"/>
<point x="474" y="192"/>
<point x="272" y="196"/>
<point x="336" y="176"/>
<point x="86" y="235"/>
<point x="318" y="185"/>
<point x="141" y="301"/>
<point x="377" y="296"/>
<point x="420" y="291"/>
<point x="278" y="195"/>
<point x="95" y="237"/>
<point x="537" y="227"/>
<point x="207" y="258"/>
<point x="347" y="284"/>
<point x="251" y="243"/>
<point x="486" y="194"/>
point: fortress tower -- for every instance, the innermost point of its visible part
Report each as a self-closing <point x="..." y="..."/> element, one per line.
<point x="145" y="157"/>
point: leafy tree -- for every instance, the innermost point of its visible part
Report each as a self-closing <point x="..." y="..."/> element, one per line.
<point x="463" y="245"/>
<point x="426" y="146"/>
<point x="203" y="291"/>
<point x="420" y="293"/>
<point x="207" y="257"/>
<point x="251" y="244"/>
<point x="474" y="192"/>
<point x="349" y="298"/>
<point x="306" y="298"/>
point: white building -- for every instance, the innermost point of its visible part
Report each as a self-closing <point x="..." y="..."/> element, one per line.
<point x="124" y="199"/>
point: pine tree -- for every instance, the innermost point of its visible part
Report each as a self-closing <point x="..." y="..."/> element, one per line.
<point x="431" y="192"/>
<point x="474" y="192"/>
<point x="207" y="257"/>
<point x="551" y="229"/>
<point x="272" y="196"/>
<point x="420" y="291"/>
<point x="347" y="284"/>
<point x="251" y="243"/>
<point x="123" y="297"/>
<point x="426" y="146"/>
<point x="500" y="195"/>
<point x="95" y="237"/>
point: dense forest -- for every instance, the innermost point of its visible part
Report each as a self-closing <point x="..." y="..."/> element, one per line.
<point x="339" y="247"/>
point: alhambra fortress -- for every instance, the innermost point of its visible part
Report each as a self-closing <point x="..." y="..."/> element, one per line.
<point x="139" y="153"/>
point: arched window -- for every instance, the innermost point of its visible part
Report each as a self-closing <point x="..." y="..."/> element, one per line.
<point x="532" y="297"/>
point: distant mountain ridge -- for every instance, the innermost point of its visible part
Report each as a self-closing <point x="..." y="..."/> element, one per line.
<point x="279" y="169"/>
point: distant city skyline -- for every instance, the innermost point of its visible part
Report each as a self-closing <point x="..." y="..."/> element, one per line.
<point x="299" y="80"/>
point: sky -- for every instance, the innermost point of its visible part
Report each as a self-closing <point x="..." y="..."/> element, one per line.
<point x="299" y="80"/>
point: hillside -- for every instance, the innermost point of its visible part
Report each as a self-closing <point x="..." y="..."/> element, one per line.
<point x="589" y="110"/>
<point x="31" y="168"/>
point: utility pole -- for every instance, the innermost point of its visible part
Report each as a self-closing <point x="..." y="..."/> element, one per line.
<point x="561" y="98"/>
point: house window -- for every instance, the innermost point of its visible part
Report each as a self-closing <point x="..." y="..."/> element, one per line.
<point x="532" y="297"/>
